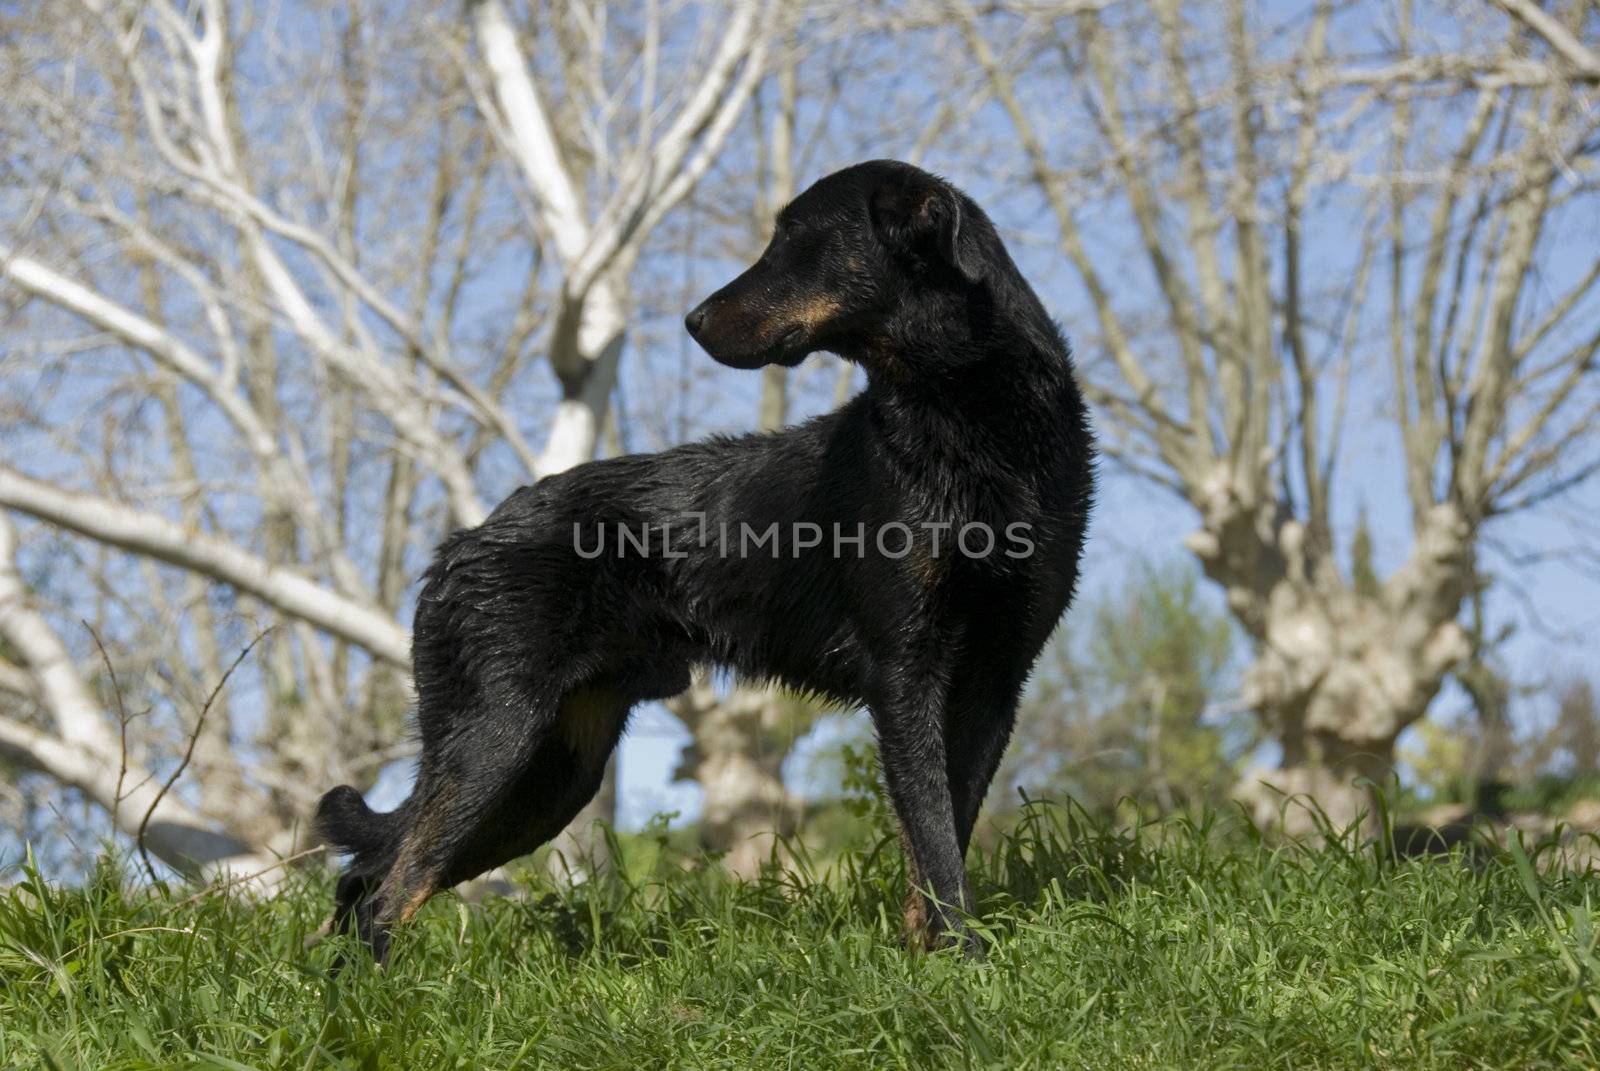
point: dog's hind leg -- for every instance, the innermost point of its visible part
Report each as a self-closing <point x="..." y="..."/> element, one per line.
<point x="562" y="776"/>
<point x="462" y="778"/>
<point x="493" y="794"/>
<point x="346" y="822"/>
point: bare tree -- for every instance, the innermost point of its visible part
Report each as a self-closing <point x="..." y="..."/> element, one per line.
<point x="280" y="279"/>
<point x="81" y="747"/>
<point x="1293" y="210"/>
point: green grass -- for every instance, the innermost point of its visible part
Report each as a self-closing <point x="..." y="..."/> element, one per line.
<point x="1174" y="946"/>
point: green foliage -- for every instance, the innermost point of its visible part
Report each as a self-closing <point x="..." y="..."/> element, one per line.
<point x="1438" y="755"/>
<point x="1171" y="945"/>
<point x="1552" y="794"/>
<point x="1125" y="707"/>
<point x="863" y="796"/>
<point x="1552" y="763"/>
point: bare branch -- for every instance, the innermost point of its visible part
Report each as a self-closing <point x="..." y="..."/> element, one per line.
<point x="143" y="533"/>
<point x="82" y="752"/>
<point x="1583" y="60"/>
<point x="143" y="831"/>
<point x="16" y="681"/>
<point x="1180" y="449"/>
<point x="287" y="482"/>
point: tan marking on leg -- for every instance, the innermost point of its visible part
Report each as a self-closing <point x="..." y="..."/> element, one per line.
<point x="321" y="934"/>
<point x="914" y="914"/>
<point x="394" y="885"/>
<point x="414" y="904"/>
<point x="914" y="922"/>
<point x="588" y="720"/>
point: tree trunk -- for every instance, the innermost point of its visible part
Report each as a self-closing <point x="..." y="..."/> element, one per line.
<point x="737" y="756"/>
<point x="1338" y="671"/>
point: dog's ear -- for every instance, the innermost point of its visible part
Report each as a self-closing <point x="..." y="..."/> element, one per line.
<point x="921" y="215"/>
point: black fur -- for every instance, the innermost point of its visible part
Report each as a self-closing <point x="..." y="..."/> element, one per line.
<point x="528" y="654"/>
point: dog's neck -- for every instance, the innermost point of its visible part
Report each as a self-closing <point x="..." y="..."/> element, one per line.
<point x="970" y="384"/>
<point x="998" y="323"/>
<point x="1022" y="370"/>
<point x="962" y="429"/>
<point x="972" y="452"/>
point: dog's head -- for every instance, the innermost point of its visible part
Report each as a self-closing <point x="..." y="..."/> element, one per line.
<point x="846" y="259"/>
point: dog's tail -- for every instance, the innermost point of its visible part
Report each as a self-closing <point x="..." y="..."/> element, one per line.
<point x="345" y="821"/>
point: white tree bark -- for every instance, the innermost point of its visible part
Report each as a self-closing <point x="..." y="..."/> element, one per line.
<point x="591" y="318"/>
<point x="740" y="742"/>
<point x="1584" y="60"/>
<point x="283" y="588"/>
<point x="83" y="750"/>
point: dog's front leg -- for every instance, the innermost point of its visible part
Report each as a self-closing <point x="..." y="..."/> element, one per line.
<point x="911" y="744"/>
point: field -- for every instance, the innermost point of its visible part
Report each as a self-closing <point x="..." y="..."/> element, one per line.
<point x="1172" y="946"/>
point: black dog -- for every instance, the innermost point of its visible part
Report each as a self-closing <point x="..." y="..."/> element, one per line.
<point x="910" y="552"/>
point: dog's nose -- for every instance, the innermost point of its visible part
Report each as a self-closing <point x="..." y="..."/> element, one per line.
<point x="695" y="320"/>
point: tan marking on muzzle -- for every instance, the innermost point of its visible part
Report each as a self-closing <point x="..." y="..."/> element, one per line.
<point x="588" y="720"/>
<point x="814" y="311"/>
